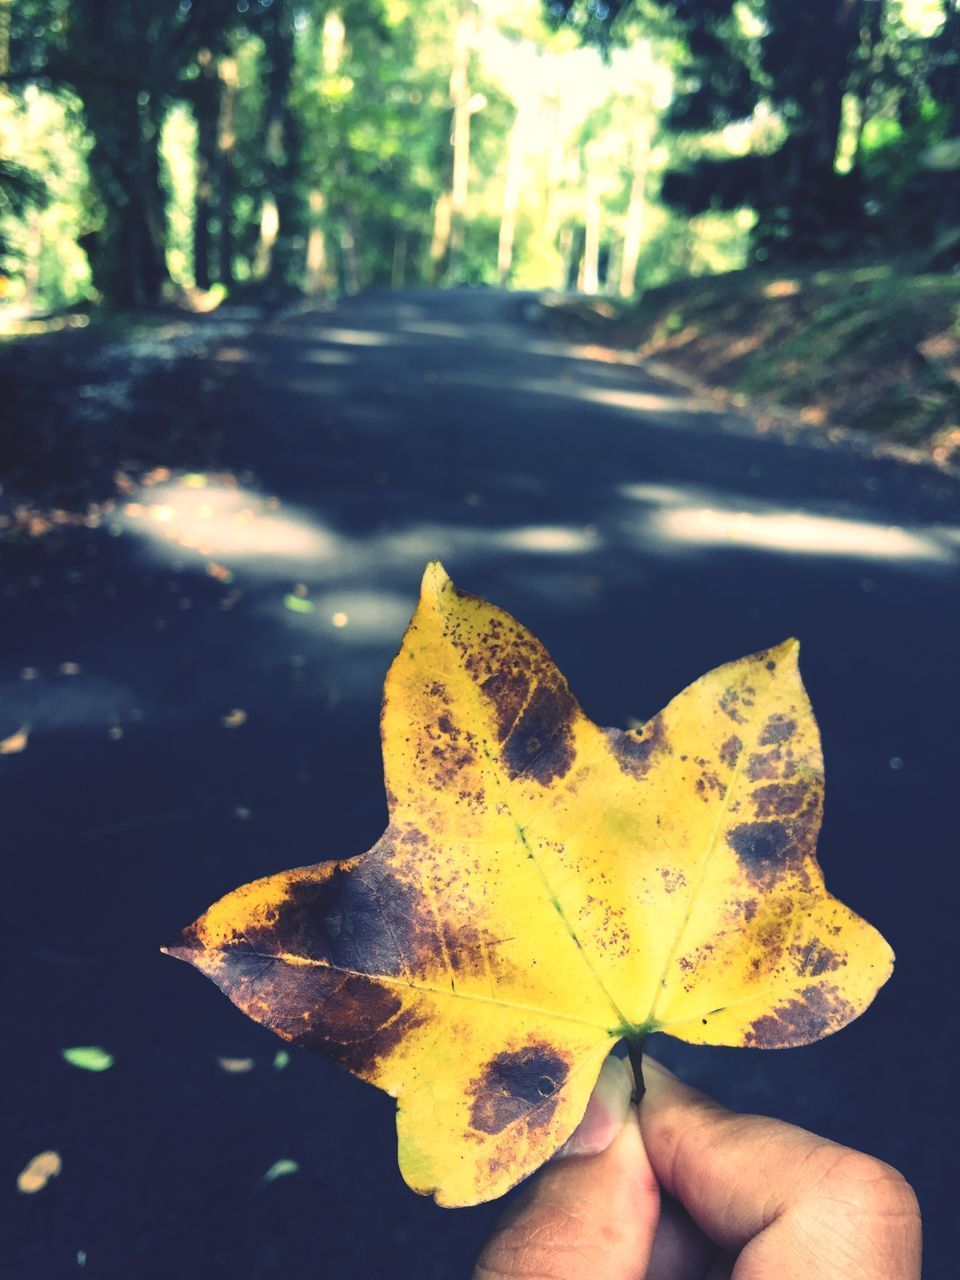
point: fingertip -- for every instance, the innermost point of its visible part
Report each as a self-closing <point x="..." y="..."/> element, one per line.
<point x="606" y="1113"/>
<point x="595" y="1214"/>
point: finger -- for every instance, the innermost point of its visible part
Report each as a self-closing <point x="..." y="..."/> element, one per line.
<point x="811" y="1207"/>
<point x="584" y="1215"/>
<point x="680" y="1249"/>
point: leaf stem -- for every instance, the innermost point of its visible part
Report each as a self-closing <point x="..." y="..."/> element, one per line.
<point x="635" y="1053"/>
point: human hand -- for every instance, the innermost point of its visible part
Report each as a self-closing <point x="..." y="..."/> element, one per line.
<point x="682" y="1189"/>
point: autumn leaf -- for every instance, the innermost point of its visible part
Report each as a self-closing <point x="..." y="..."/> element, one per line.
<point x="39" y="1171"/>
<point x="16" y="742"/>
<point x="545" y="888"/>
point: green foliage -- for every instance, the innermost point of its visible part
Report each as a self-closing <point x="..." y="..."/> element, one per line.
<point x="817" y="116"/>
<point x="297" y="145"/>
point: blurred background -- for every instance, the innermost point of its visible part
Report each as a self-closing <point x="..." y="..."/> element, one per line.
<point x="645" y="319"/>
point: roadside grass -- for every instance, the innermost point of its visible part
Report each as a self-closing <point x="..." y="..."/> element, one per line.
<point x="874" y="347"/>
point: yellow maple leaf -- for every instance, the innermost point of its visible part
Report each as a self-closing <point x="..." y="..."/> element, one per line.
<point x="545" y="888"/>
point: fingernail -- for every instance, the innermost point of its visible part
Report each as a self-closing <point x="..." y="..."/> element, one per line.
<point x="606" y="1112"/>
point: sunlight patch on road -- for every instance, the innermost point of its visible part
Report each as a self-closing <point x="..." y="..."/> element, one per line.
<point x="437" y="329"/>
<point x="797" y="532"/>
<point x="225" y="521"/>
<point x="329" y="355"/>
<point x="353" y="337"/>
<point x="693" y="517"/>
<point x="638" y="401"/>
<point x="557" y="539"/>
<point x="573" y="388"/>
<point x="655" y="494"/>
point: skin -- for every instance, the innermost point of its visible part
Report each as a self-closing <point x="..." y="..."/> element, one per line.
<point x="682" y="1189"/>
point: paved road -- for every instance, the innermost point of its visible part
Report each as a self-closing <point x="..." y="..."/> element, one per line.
<point x="644" y="538"/>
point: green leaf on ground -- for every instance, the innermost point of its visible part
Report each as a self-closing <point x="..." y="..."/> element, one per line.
<point x="89" y="1057"/>
<point x="297" y="604"/>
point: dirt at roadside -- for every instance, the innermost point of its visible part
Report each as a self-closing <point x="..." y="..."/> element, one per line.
<point x="94" y="405"/>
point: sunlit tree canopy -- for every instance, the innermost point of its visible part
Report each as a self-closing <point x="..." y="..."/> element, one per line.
<point x="148" y="147"/>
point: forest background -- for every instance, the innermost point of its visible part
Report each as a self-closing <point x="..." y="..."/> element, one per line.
<point x="214" y="146"/>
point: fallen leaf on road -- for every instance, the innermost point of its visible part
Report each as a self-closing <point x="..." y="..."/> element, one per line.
<point x="219" y="571"/>
<point x="279" y="1169"/>
<point x="234" y="719"/>
<point x="39" y="1171"/>
<point x="546" y="888"/>
<point x="297" y="604"/>
<point x="236" y="1066"/>
<point x="88" y="1057"/>
<point x="16" y="742"/>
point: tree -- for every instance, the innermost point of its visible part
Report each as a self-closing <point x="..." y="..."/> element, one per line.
<point x="804" y="80"/>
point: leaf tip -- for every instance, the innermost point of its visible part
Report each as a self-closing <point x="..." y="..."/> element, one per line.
<point x="183" y="946"/>
<point x="788" y="651"/>
<point x="435" y="580"/>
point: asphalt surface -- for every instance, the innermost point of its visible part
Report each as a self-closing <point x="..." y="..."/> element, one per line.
<point x="205" y="731"/>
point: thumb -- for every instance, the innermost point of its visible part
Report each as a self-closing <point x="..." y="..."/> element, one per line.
<point x="798" y="1206"/>
<point x="593" y="1209"/>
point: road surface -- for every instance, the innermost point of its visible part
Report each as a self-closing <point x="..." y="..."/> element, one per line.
<point x="194" y="724"/>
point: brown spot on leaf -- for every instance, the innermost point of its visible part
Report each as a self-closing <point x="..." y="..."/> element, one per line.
<point x="710" y="781"/>
<point x="359" y="918"/>
<point x="355" y="1020"/>
<point x="777" y="729"/>
<point x="635" y="752"/>
<point x="762" y="847"/>
<point x="730" y="751"/>
<point x="728" y="705"/>
<point x="517" y="1084"/>
<point x="507" y="691"/>
<point x="780" y="799"/>
<point x="540" y="743"/>
<point x="761" y="766"/>
<point x="816" y="1011"/>
<point x="815" y="959"/>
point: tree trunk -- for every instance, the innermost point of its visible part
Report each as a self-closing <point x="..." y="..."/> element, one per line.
<point x="318" y="271"/>
<point x="636" y="208"/>
<point x="282" y="150"/>
<point x="206" y="106"/>
<point x="127" y="259"/>
<point x="6" y="10"/>
<point x="451" y="208"/>
<point x="822" y="203"/>
<point x="348" y="247"/>
<point x="590" y="266"/>
<point x="226" y="149"/>
<point x="398" y="268"/>
<point x="440" y="244"/>
<point x="566" y="247"/>
<point x="511" y="196"/>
